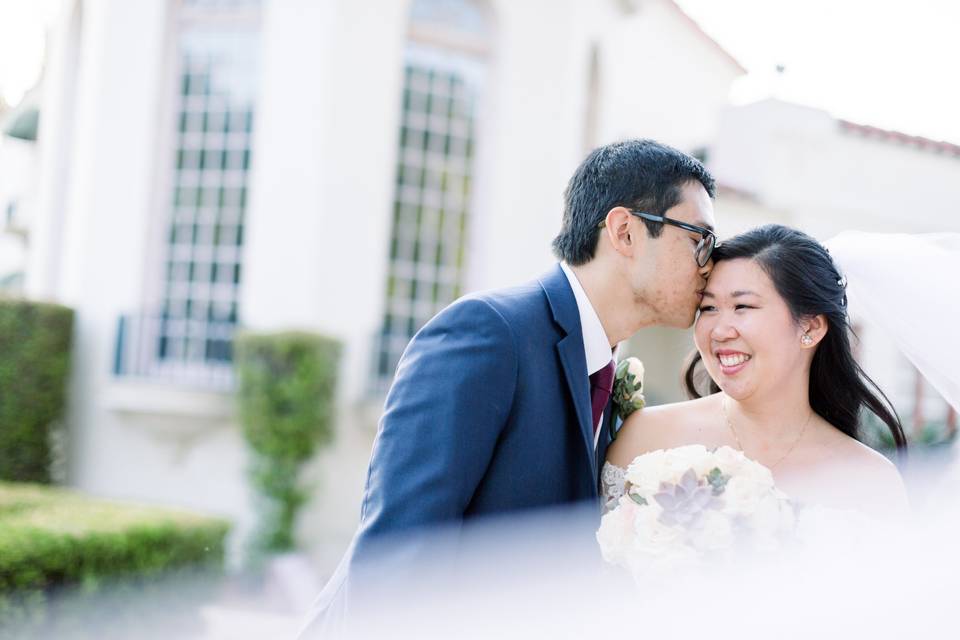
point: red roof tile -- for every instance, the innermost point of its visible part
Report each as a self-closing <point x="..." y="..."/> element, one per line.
<point x="897" y="137"/>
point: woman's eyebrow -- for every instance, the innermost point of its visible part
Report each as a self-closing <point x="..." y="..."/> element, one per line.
<point x="735" y="294"/>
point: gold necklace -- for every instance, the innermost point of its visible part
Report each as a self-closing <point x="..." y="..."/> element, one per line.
<point x="726" y="414"/>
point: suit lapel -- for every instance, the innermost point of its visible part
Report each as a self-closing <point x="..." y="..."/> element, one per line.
<point x="575" y="368"/>
<point x="573" y="359"/>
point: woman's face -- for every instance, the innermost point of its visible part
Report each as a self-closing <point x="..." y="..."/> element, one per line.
<point x="745" y="333"/>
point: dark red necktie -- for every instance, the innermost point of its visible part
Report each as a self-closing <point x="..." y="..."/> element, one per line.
<point x="601" y="383"/>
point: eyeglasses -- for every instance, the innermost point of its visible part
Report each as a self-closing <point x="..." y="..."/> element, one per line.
<point x="708" y="239"/>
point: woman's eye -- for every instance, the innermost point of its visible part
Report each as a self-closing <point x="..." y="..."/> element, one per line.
<point x="742" y="306"/>
<point x="706" y="307"/>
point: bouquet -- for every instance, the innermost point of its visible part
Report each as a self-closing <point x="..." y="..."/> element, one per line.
<point x="691" y="504"/>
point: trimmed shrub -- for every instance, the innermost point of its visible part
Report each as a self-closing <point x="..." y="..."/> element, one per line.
<point x="287" y="384"/>
<point x="34" y="365"/>
<point x="53" y="538"/>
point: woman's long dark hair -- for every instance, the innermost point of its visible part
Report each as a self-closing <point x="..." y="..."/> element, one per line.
<point x="805" y="276"/>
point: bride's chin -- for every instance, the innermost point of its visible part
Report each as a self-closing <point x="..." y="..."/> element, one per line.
<point x="735" y="392"/>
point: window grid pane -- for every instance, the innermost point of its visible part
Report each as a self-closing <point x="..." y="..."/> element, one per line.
<point x="211" y="162"/>
<point x="431" y="205"/>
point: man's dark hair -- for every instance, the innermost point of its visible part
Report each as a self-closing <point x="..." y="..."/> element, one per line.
<point x="637" y="174"/>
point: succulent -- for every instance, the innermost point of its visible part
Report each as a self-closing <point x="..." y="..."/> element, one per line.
<point x="684" y="502"/>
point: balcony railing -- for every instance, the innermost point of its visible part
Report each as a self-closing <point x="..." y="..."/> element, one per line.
<point x="177" y="351"/>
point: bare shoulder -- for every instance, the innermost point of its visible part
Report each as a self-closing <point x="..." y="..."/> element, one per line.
<point x="662" y="427"/>
<point x="869" y="463"/>
<point x="868" y="471"/>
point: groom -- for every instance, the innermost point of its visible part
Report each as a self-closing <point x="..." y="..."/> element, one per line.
<point x="500" y="403"/>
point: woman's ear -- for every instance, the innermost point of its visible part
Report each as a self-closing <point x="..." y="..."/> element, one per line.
<point x="814" y="329"/>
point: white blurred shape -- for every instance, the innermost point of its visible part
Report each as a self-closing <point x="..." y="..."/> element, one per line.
<point x="905" y="285"/>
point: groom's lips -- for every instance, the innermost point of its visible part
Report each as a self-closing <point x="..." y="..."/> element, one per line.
<point x="727" y="369"/>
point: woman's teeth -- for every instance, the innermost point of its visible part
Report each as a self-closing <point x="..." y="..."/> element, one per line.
<point x="734" y="360"/>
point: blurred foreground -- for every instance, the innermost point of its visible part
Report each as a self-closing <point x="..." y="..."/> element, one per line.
<point x="540" y="576"/>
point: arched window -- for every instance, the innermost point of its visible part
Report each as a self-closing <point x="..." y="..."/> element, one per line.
<point x="445" y="65"/>
<point x="217" y="45"/>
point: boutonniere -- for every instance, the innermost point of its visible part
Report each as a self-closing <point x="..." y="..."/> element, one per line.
<point x="628" y="387"/>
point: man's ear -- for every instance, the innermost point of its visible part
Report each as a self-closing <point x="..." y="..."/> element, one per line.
<point x="622" y="232"/>
<point x="816" y="327"/>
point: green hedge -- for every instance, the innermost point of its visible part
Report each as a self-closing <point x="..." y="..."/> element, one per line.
<point x="34" y="364"/>
<point x="51" y="538"/>
<point x="928" y="438"/>
<point x="287" y="384"/>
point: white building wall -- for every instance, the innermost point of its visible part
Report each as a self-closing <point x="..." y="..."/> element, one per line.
<point x="58" y="111"/>
<point x="319" y="222"/>
<point x="126" y="439"/>
<point x="665" y="79"/>
<point x="105" y="218"/>
<point x="529" y="141"/>
<point x="800" y="159"/>
<point x="321" y="189"/>
<point x="539" y="114"/>
<point x="18" y="195"/>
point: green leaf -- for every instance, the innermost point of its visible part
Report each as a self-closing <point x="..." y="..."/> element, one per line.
<point x="638" y="499"/>
<point x="717" y="480"/>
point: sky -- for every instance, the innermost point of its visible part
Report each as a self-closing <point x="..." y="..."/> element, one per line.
<point x="886" y="63"/>
<point x="890" y="64"/>
<point x="22" y="27"/>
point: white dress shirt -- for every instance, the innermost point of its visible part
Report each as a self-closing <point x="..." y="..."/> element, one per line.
<point x="596" y="346"/>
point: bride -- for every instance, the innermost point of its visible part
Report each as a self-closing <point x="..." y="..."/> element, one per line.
<point x="772" y="333"/>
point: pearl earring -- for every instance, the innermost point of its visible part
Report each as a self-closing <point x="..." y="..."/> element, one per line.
<point x="806" y="340"/>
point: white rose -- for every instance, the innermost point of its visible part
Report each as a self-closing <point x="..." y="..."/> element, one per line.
<point x="616" y="532"/>
<point x="734" y="463"/>
<point x="742" y="495"/>
<point x="715" y="532"/>
<point x="730" y="460"/>
<point x="646" y="472"/>
<point x="635" y="367"/>
<point x="760" y="474"/>
<point x="655" y="546"/>
<point x="694" y="456"/>
<point x="757" y="474"/>
<point x="650" y="535"/>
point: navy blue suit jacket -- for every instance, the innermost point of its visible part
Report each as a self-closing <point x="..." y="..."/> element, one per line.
<point x="489" y="413"/>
